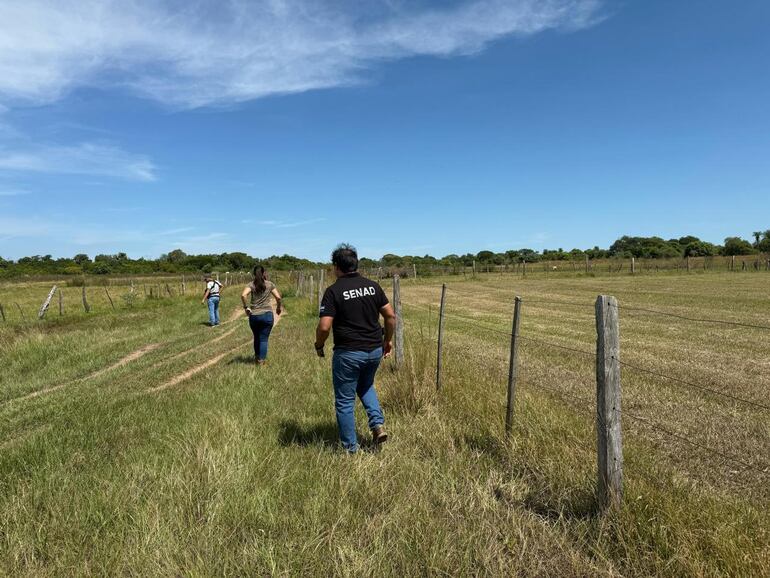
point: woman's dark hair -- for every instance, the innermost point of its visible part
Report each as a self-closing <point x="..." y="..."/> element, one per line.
<point x="346" y="258"/>
<point x="259" y="278"/>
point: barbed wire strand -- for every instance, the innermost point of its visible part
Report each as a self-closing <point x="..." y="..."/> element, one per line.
<point x="475" y="322"/>
<point x="693" y="385"/>
<point x="556" y="345"/>
<point x="695" y="319"/>
<point x="763" y="469"/>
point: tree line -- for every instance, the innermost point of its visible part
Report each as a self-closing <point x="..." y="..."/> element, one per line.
<point x="177" y="261"/>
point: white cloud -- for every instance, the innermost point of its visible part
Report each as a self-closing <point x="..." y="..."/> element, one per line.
<point x="84" y="159"/>
<point x="12" y="193"/>
<point x="207" y="52"/>
<point x="283" y="224"/>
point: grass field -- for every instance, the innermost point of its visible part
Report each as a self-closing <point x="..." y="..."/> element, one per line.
<point x="143" y="442"/>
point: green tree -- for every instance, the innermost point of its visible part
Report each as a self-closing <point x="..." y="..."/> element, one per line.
<point x="737" y="246"/>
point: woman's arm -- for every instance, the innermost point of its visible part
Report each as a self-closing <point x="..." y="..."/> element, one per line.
<point x="278" y="301"/>
<point x="244" y="295"/>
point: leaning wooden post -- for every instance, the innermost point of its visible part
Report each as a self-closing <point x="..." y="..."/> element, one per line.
<point x="513" y="366"/>
<point x="399" y="341"/>
<point x="2" y="312"/>
<point x="110" y="298"/>
<point x="21" y="311"/>
<point x="321" y="286"/>
<point x="86" y="306"/>
<point x="61" y="302"/>
<point x="44" y="307"/>
<point x="608" y="393"/>
<point x="439" y="356"/>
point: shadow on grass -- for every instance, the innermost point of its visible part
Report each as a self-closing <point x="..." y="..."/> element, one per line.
<point x="544" y="499"/>
<point x="243" y="360"/>
<point x="323" y="434"/>
<point x="581" y="504"/>
<point x="292" y="433"/>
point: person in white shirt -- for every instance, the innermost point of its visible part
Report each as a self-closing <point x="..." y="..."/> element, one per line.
<point x="211" y="297"/>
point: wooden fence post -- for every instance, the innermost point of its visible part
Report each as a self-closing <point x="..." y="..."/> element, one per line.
<point x="86" y="306"/>
<point x="168" y="290"/>
<point x="21" y="311"/>
<point x="608" y="394"/>
<point x="439" y="356"/>
<point x="633" y="265"/>
<point x="2" y="312"/>
<point x="732" y="263"/>
<point x="44" y="307"/>
<point x="587" y="268"/>
<point x="184" y="288"/>
<point x="110" y="298"/>
<point x="513" y="365"/>
<point x="310" y="288"/>
<point x="414" y="271"/>
<point x="474" y="268"/>
<point x="399" y="345"/>
<point x="61" y="302"/>
<point x="321" y="286"/>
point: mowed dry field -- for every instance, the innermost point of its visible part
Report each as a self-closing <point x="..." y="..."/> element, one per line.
<point x="140" y="441"/>
<point x="705" y="381"/>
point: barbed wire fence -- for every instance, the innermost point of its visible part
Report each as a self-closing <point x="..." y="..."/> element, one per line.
<point x="606" y="408"/>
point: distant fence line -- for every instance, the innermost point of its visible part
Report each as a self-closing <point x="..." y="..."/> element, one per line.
<point x="605" y="266"/>
<point x="608" y="409"/>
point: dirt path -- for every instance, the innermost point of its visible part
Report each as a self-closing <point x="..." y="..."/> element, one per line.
<point x="133" y="356"/>
<point x="179" y="378"/>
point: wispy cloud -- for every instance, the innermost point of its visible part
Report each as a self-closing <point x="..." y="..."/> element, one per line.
<point x="213" y="52"/>
<point x="283" y="224"/>
<point x="12" y="193"/>
<point x="84" y="159"/>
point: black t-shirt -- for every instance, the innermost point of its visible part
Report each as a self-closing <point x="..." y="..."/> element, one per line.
<point x="355" y="304"/>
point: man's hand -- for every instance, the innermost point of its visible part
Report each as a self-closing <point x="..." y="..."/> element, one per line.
<point x="248" y="311"/>
<point x="387" y="347"/>
<point x="203" y="301"/>
<point x="319" y="350"/>
<point x="278" y="310"/>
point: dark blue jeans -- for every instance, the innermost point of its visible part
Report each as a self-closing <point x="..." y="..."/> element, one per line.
<point x="353" y="374"/>
<point x="261" y="326"/>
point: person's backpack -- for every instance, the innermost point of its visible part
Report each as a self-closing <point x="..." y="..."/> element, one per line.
<point x="216" y="285"/>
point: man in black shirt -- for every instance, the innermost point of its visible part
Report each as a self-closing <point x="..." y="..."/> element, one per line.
<point x="352" y="307"/>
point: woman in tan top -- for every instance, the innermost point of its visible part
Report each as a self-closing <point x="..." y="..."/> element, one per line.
<point x="258" y="306"/>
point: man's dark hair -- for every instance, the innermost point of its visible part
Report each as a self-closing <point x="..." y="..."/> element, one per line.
<point x="346" y="258"/>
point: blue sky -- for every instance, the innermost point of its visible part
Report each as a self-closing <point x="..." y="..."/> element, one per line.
<point x="408" y="127"/>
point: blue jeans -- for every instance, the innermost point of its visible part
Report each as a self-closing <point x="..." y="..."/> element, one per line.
<point x="353" y="373"/>
<point x="261" y="326"/>
<point x="213" y="303"/>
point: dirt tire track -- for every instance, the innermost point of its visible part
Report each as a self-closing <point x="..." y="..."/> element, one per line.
<point x="179" y="378"/>
<point x="133" y="356"/>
